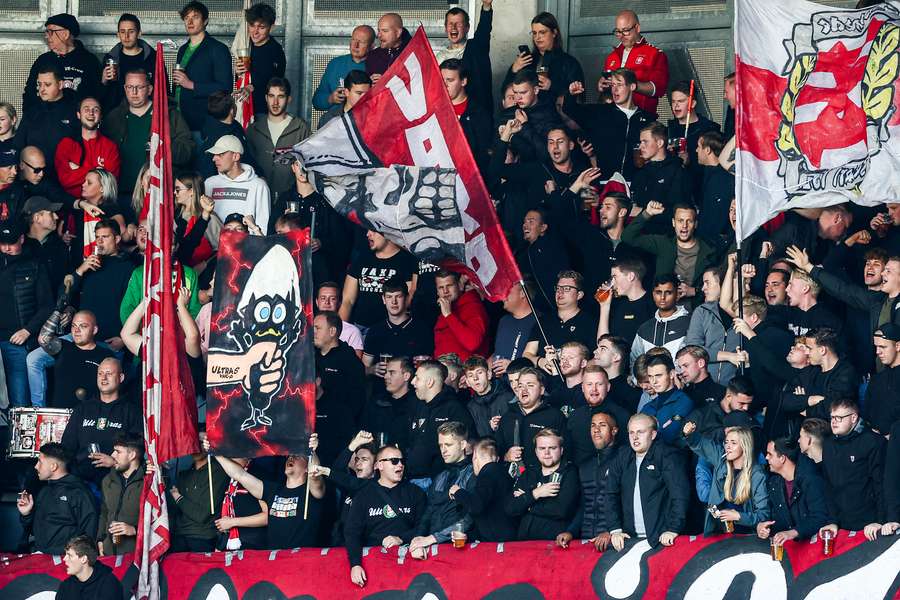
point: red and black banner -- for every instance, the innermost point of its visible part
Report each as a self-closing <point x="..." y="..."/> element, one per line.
<point x="260" y="373"/>
<point x="717" y="568"/>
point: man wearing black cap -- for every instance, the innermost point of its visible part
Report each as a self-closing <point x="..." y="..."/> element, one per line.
<point x="12" y="196"/>
<point x="26" y="300"/>
<point x="41" y="239"/>
<point x="80" y="68"/>
<point x="882" y="404"/>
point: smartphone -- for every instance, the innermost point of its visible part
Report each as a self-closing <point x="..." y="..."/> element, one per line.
<point x="523" y="49"/>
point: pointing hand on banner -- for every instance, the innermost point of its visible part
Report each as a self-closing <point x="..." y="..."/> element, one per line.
<point x="267" y="368"/>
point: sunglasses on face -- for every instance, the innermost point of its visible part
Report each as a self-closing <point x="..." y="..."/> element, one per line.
<point x="394" y="460"/>
<point x="37" y="170"/>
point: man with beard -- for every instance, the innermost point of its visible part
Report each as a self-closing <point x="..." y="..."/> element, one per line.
<point x="278" y="129"/>
<point x="393" y="37"/>
<point x="593" y="398"/>
<point x="593" y="473"/>
<point x="344" y="377"/>
<point x="42" y="240"/>
<point x="684" y="254"/>
<point x="530" y="415"/>
<point x="490" y="398"/>
<point x="385" y="513"/>
<point x="120" y="501"/>
<point x="565" y="393"/>
<point x="75" y="156"/>
<point x="546" y="496"/>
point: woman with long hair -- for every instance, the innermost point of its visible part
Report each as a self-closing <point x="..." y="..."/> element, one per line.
<point x="738" y="492"/>
<point x="555" y="68"/>
<point x="141" y="190"/>
<point x="98" y="200"/>
<point x="197" y="224"/>
<point x="9" y="118"/>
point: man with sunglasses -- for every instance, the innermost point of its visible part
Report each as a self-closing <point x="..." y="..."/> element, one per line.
<point x="81" y="69"/>
<point x="385" y="513"/>
<point x="647" y="61"/>
<point x="853" y="467"/>
<point x="34" y="176"/>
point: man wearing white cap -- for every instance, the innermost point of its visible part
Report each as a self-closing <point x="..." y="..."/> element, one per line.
<point x="237" y="188"/>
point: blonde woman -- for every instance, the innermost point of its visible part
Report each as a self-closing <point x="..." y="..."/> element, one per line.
<point x="98" y="201"/>
<point x="198" y="225"/>
<point x="141" y="189"/>
<point x="8" y="121"/>
<point x="738" y="487"/>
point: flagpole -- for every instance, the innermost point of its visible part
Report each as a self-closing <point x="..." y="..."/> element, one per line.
<point x="537" y="320"/>
<point x="306" y="499"/>
<point x="688" y="119"/>
<point x="212" y="508"/>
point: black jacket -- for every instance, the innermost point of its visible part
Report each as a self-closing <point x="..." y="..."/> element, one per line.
<point x="101" y="585"/>
<point x="530" y="144"/>
<point x="853" y="466"/>
<point x="25" y="296"/>
<point x="476" y="125"/>
<point x="544" y="518"/>
<point x="484" y="408"/>
<point x="423" y="458"/>
<point x="45" y="124"/>
<point x="210" y="70"/>
<point x="12" y="199"/>
<point x="579" y="446"/>
<point x="542" y="260"/>
<point x="486" y="504"/>
<point x="63" y="509"/>
<point x="443" y="514"/>
<point x="98" y="422"/>
<point x="665" y="492"/>
<point x="807" y="512"/>
<point x="664" y="181"/>
<point x="384" y="414"/>
<point x="594" y="476"/>
<point x="542" y="417"/>
<point x="563" y="70"/>
<point x="113" y="90"/>
<point x="840" y="382"/>
<point x="54" y="255"/>
<point x="715" y="202"/>
<point x="857" y="296"/>
<point x="476" y="59"/>
<point x="892" y="477"/>
<point x="881" y="408"/>
<point x="80" y="68"/>
<point x="101" y="292"/>
<point x="613" y="134"/>
<point x="367" y="524"/>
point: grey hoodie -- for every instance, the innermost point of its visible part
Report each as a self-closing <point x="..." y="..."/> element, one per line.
<point x="706" y="329"/>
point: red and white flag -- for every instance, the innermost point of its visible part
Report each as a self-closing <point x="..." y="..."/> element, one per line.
<point x="399" y="163"/>
<point x="170" y="408"/>
<point x="817" y="119"/>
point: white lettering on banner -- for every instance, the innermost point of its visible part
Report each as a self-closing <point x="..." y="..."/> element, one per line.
<point x="410" y="101"/>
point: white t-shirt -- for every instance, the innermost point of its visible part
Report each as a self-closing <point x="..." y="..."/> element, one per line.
<point x="276" y="128"/>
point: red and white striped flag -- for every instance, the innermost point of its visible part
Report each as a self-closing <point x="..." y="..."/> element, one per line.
<point x="244" y="102"/>
<point x="170" y="426"/>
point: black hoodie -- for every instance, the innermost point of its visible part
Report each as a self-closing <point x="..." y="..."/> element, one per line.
<point x="99" y="422"/>
<point x="542" y="417"/>
<point x="63" y="509"/>
<point x="545" y="518"/>
<point x="113" y="90"/>
<point x="390" y="416"/>
<point x="423" y="458"/>
<point x="378" y="512"/>
<point x="486" y="504"/>
<point x="663" y="181"/>
<point x="79" y="68"/>
<point x="483" y="408"/>
<point x="101" y="585"/>
<point x="45" y="124"/>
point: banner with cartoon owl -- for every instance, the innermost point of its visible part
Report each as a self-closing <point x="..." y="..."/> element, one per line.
<point x="261" y="394"/>
<point x="817" y="120"/>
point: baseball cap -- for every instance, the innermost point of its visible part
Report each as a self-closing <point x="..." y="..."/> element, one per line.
<point x="36" y="204"/>
<point x="234" y="218"/>
<point x="227" y="143"/>
<point x="9" y="157"/>
<point x="10" y="231"/>
<point x="66" y="21"/>
<point x="888" y="331"/>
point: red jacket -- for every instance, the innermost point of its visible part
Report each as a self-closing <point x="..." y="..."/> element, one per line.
<point x="649" y="63"/>
<point x="100" y="152"/>
<point x="464" y="332"/>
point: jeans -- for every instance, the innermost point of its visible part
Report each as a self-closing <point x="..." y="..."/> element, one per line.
<point x="16" y="375"/>
<point x="38" y="362"/>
